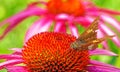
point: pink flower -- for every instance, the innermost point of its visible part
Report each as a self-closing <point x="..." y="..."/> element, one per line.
<point x="55" y="51"/>
<point x="50" y="51"/>
<point x="65" y="13"/>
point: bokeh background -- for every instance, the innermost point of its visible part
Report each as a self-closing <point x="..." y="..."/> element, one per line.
<point x="15" y="38"/>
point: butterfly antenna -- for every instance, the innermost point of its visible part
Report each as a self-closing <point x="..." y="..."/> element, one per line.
<point x="102" y="39"/>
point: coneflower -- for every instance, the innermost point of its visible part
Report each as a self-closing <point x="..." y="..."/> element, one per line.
<point x="65" y="13"/>
<point x="59" y="52"/>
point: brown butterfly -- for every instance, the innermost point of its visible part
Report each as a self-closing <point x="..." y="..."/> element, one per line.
<point x="88" y="39"/>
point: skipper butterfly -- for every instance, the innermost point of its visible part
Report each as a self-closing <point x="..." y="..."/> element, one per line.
<point x="88" y="39"/>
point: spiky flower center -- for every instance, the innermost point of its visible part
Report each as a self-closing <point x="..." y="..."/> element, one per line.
<point x="72" y="7"/>
<point x="51" y="52"/>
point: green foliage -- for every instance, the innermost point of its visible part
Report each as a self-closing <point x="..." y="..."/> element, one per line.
<point x="15" y="38"/>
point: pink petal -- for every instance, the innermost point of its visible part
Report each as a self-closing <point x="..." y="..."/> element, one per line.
<point x="92" y="11"/>
<point x="87" y="3"/>
<point x="101" y="67"/>
<point x="82" y="21"/>
<point x="14" y="20"/>
<point x="62" y="17"/>
<point x="10" y="57"/>
<point x="40" y="26"/>
<point x="60" y="26"/>
<point x="109" y="11"/>
<point x="97" y="11"/>
<point x="73" y="29"/>
<point x="102" y="52"/>
<point x="16" y="69"/>
<point x="10" y="62"/>
<point x="18" y="51"/>
<point x="94" y="62"/>
<point x="111" y="21"/>
<point x="109" y="32"/>
<point x="100" y="35"/>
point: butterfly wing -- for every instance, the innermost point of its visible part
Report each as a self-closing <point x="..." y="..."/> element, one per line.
<point x="91" y="45"/>
<point x="87" y="36"/>
<point x="88" y="39"/>
<point x="90" y="33"/>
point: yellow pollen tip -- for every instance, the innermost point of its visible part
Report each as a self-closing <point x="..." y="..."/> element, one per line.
<point x="64" y="0"/>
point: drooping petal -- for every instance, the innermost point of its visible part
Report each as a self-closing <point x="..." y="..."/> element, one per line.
<point x="102" y="52"/>
<point x="73" y="29"/>
<point x="14" y="20"/>
<point x="87" y="3"/>
<point x="92" y="11"/>
<point x="10" y="56"/>
<point x="110" y="32"/>
<point x="100" y="35"/>
<point x="10" y="62"/>
<point x="94" y="62"/>
<point x="62" y="17"/>
<point x="18" y="51"/>
<point x="16" y="69"/>
<point x="60" y="26"/>
<point x="111" y="21"/>
<point x="101" y="67"/>
<point x="108" y="11"/>
<point x="82" y="21"/>
<point x="40" y="26"/>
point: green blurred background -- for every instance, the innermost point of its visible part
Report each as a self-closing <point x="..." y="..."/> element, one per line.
<point x="15" y="38"/>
